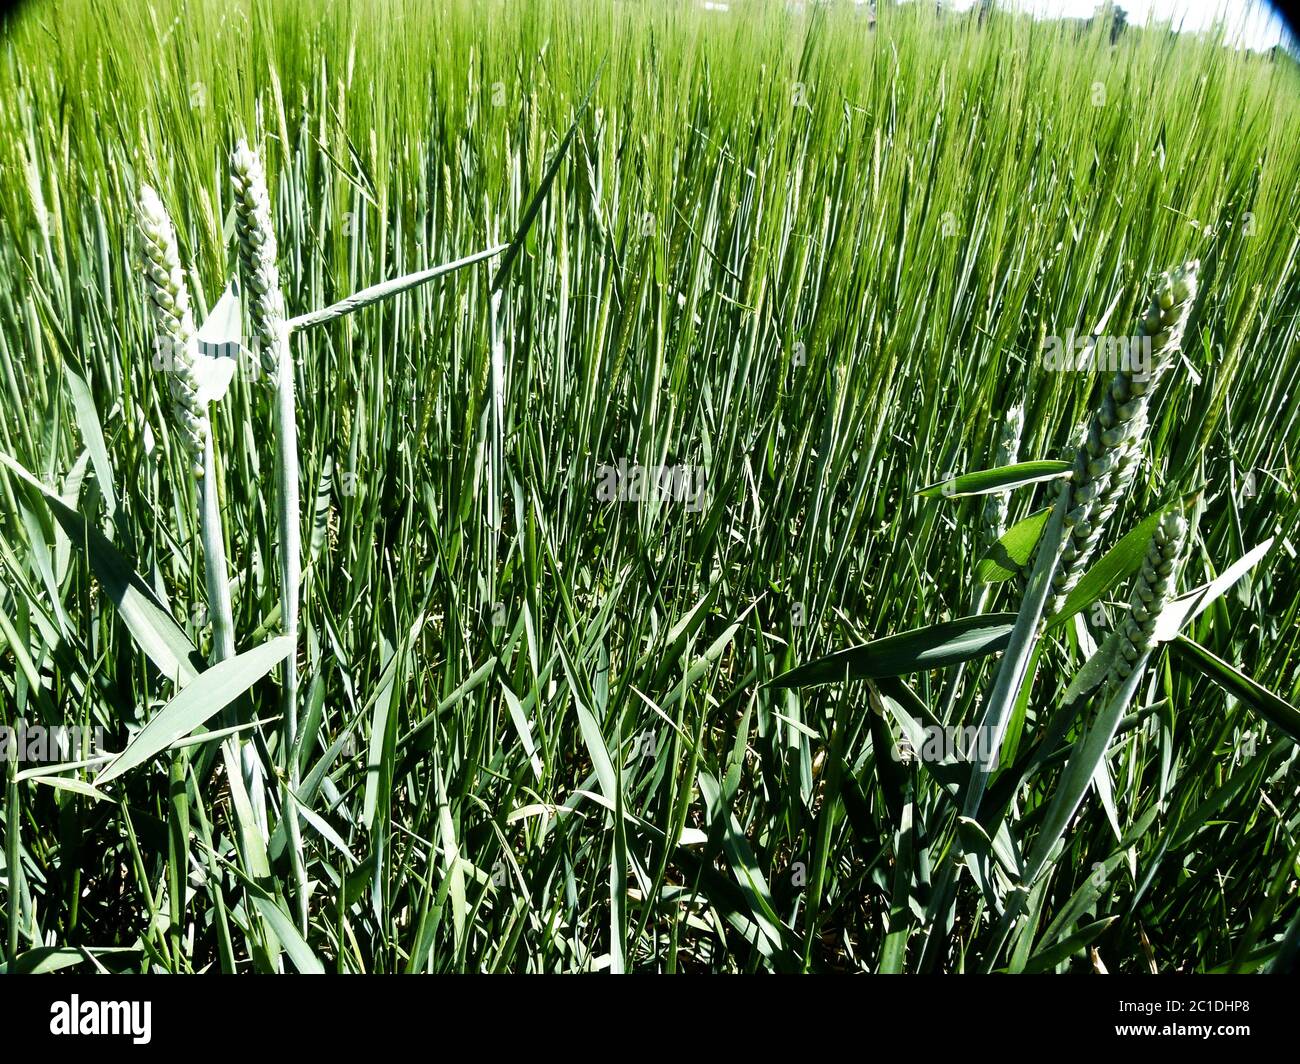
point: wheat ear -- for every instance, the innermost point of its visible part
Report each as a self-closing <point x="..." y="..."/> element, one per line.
<point x="170" y="299"/>
<point x="1111" y="452"/>
<point x="1151" y="591"/>
<point x="257" y="254"/>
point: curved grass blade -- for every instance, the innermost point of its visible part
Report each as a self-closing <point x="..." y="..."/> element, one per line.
<point x="73" y="785"/>
<point x="1080" y="769"/>
<point x="201" y="700"/>
<point x="1012" y="551"/>
<point x="1122" y="560"/>
<point x="1047" y="959"/>
<point x="931" y="647"/>
<point x="749" y="877"/>
<point x="1273" y="708"/>
<point x="1014" y="666"/>
<point x="1076" y="778"/>
<point x="216" y="348"/>
<point x="52" y="958"/>
<point x="1285" y="960"/>
<point x="150" y="623"/>
<point x="1175" y="616"/>
<point x="294" y="944"/>
<point x="92" y="434"/>
<point x="387" y="289"/>
<point x="1003" y="478"/>
<point x="539" y="197"/>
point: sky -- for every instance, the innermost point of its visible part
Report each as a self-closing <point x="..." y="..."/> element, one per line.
<point x="1251" y="23"/>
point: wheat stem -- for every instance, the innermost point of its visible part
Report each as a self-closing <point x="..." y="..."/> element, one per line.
<point x="257" y="256"/>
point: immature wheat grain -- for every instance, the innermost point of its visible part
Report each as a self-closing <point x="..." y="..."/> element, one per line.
<point x="1152" y="589"/>
<point x="257" y="253"/>
<point x="170" y="299"/>
<point x="1109" y="456"/>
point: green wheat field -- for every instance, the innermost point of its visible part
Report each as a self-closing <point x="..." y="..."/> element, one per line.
<point x="722" y="570"/>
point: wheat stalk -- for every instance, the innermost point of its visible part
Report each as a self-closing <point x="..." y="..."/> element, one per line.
<point x="170" y="299"/>
<point x="1103" y="469"/>
<point x="257" y="254"/>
